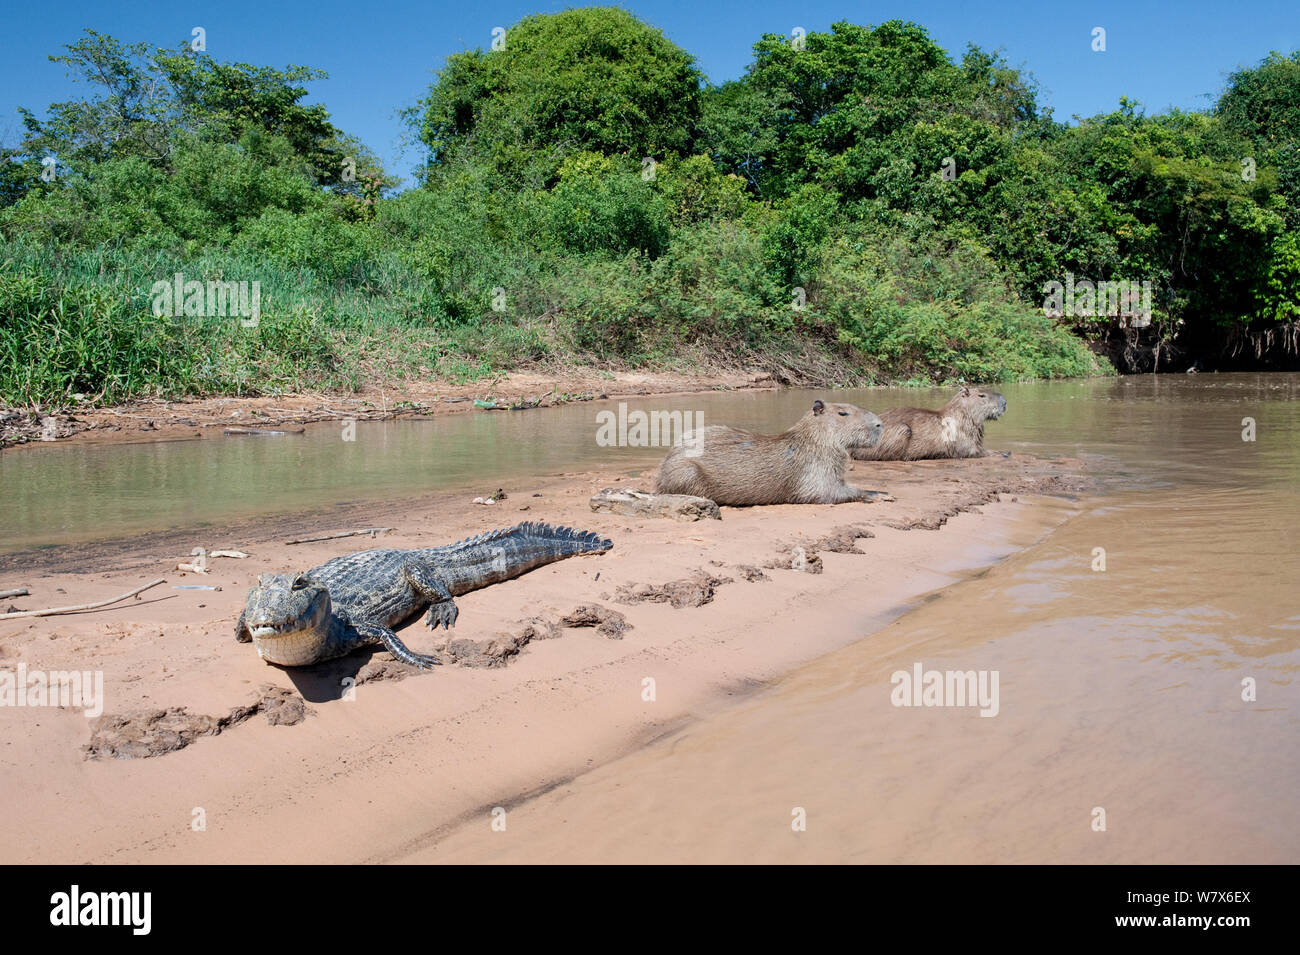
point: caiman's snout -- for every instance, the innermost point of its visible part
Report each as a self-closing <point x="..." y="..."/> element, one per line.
<point x="281" y="606"/>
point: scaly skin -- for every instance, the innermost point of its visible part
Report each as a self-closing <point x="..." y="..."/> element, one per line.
<point x="356" y="600"/>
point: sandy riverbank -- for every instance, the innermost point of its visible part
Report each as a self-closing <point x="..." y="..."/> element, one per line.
<point x="382" y="776"/>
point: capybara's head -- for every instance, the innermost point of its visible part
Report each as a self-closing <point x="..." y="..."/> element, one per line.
<point x="845" y="426"/>
<point x="980" y="404"/>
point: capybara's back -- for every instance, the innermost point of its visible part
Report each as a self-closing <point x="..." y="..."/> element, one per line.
<point x="804" y="465"/>
<point x="955" y="431"/>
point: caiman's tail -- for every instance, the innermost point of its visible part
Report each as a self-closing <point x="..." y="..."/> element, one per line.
<point x="568" y="540"/>
<point x="562" y="541"/>
<point x="500" y="555"/>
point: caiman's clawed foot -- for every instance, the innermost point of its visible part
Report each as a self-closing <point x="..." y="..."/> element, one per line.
<point x="402" y="652"/>
<point x="443" y="613"/>
<point x="425" y="661"/>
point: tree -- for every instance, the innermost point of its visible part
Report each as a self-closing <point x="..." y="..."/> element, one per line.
<point x="594" y="79"/>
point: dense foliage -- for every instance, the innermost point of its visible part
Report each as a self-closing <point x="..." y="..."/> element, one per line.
<point x="858" y="207"/>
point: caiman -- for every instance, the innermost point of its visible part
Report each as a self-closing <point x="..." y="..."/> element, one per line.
<point x="357" y="600"/>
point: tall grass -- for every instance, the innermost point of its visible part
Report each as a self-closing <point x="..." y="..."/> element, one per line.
<point x="438" y="287"/>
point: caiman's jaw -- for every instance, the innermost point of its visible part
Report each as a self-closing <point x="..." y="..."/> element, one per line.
<point x="288" y="618"/>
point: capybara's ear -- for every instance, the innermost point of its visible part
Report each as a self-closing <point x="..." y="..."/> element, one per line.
<point x="965" y="391"/>
<point x="818" y="407"/>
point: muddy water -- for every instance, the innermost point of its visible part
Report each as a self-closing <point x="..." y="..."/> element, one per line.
<point x="1148" y="429"/>
<point x="1121" y="733"/>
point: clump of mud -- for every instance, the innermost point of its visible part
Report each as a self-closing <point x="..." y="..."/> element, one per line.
<point x="140" y="734"/>
<point x="973" y="495"/>
<point x="801" y="555"/>
<point x="841" y="540"/>
<point x="693" y="591"/>
<point x="383" y="668"/>
<point x="498" y="651"/>
<point x="611" y="623"/>
<point x="797" y="559"/>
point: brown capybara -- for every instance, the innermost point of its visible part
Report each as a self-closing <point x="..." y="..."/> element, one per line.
<point x="805" y="465"/>
<point x="954" y="431"/>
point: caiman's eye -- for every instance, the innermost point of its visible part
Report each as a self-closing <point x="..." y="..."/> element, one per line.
<point x="299" y="583"/>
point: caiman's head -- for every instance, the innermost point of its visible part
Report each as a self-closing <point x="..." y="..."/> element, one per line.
<point x="287" y="616"/>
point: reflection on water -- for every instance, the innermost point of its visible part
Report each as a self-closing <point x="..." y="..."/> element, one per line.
<point x="1143" y="431"/>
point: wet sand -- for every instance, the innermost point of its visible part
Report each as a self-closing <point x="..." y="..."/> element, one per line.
<point x="390" y="774"/>
<point x="1109" y="699"/>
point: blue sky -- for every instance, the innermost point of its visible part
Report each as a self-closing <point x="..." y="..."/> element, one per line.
<point x="380" y="56"/>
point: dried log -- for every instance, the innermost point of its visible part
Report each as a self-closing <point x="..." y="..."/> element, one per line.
<point x="372" y="531"/>
<point x="79" y="607"/>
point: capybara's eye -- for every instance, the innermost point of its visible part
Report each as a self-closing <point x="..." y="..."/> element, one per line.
<point x="844" y="414"/>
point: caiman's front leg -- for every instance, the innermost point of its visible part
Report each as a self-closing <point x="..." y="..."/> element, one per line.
<point x="377" y="634"/>
<point x="441" y="608"/>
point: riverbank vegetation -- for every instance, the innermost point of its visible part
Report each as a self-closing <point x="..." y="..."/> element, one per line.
<point x="860" y="206"/>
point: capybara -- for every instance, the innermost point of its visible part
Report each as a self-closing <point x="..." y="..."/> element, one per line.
<point x="954" y="431"/>
<point x="805" y="465"/>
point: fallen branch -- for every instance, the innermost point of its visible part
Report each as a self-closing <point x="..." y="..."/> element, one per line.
<point x="20" y="592"/>
<point x="372" y="531"/>
<point x="91" y="606"/>
<point x="268" y="431"/>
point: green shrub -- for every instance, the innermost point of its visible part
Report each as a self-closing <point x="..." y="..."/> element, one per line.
<point x="320" y="241"/>
<point x="601" y="207"/>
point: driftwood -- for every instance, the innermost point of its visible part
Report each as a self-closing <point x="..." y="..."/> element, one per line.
<point x="262" y="431"/>
<point x="20" y="592"/>
<point x="79" y="607"/>
<point x="681" y="507"/>
<point x="372" y="531"/>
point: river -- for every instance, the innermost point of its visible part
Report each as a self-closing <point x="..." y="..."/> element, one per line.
<point x="1147" y="706"/>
